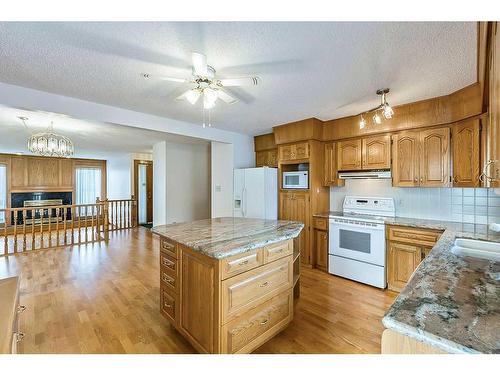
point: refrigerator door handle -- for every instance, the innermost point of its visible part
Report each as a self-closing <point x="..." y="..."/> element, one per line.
<point x="243" y="200"/>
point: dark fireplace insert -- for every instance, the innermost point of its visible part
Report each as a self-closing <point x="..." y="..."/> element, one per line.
<point x="37" y="202"/>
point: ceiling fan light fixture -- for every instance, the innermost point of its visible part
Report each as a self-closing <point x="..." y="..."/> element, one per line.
<point x="209" y="98"/>
<point x="192" y="96"/>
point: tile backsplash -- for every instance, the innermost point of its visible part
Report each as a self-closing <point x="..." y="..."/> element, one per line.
<point x="478" y="206"/>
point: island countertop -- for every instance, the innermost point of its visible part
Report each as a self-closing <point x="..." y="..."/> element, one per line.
<point x="451" y="302"/>
<point x="227" y="236"/>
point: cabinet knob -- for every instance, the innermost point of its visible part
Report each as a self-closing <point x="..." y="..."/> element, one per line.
<point x="264" y="322"/>
<point x="19" y="336"/>
<point x="264" y="284"/>
<point x="421" y="179"/>
<point x="415" y="179"/>
<point x="20" y="309"/>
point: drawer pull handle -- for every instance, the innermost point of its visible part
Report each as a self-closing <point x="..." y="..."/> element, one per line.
<point x="168" y="263"/>
<point x="168" y="306"/>
<point x="167" y="279"/>
<point x="264" y="284"/>
<point x="19" y="336"/>
<point x="264" y="322"/>
<point x="20" y="309"/>
<point x="243" y="263"/>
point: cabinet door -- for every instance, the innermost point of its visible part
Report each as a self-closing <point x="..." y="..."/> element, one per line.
<point x="493" y="130"/>
<point x="260" y="158"/>
<point x="18" y="173"/>
<point x="349" y="155"/>
<point x="403" y="259"/>
<point x="301" y="150"/>
<point x="286" y="152"/>
<point x="66" y="173"/>
<point x="321" y="246"/>
<point x="272" y="158"/>
<point x="330" y="177"/>
<point x="287" y="209"/>
<point x="466" y="153"/>
<point x="376" y="152"/>
<point x="405" y="159"/>
<point x="301" y="213"/>
<point x="435" y="157"/>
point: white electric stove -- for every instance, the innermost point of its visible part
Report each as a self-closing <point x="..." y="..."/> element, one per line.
<point x="357" y="239"/>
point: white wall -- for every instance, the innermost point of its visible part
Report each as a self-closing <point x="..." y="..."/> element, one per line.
<point x="118" y="176"/>
<point x="222" y="179"/>
<point x="479" y="206"/>
<point x="160" y="183"/>
<point x="188" y="182"/>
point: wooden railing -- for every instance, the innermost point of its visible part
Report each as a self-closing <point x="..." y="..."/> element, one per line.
<point x="122" y="213"/>
<point x="33" y="228"/>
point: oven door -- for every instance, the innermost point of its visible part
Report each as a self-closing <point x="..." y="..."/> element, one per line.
<point x="356" y="240"/>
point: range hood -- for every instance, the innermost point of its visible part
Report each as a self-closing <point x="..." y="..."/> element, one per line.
<point x="352" y="175"/>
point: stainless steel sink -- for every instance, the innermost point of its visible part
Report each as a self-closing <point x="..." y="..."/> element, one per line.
<point x="477" y="249"/>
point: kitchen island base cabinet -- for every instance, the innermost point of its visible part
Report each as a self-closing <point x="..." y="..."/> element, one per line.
<point x="397" y="343"/>
<point x="229" y="305"/>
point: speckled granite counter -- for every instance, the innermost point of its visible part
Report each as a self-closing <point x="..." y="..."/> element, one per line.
<point x="223" y="237"/>
<point x="450" y="302"/>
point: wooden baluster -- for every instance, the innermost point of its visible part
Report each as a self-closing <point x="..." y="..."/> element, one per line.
<point x="86" y="224"/>
<point x="125" y="214"/>
<point x="49" y="216"/>
<point x="15" y="230"/>
<point x="65" y="219"/>
<point x="92" y="234"/>
<point x="98" y="227"/>
<point x="72" y="212"/>
<point x="33" y="244"/>
<point x="58" y="212"/>
<point x="5" y="237"/>
<point x="41" y="211"/>
<point x="79" y="209"/>
<point x="24" y="229"/>
<point x="106" y="222"/>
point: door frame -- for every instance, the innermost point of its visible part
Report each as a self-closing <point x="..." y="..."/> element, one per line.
<point x="137" y="162"/>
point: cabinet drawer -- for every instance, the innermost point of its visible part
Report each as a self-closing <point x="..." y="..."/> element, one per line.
<point x="169" y="279"/>
<point x="247" y="290"/>
<point x="247" y="332"/>
<point x="168" y="262"/>
<point x="169" y="305"/>
<point x="278" y="250"/>
<point x="237" y="264"/>
<point x="413" y="236"/>
<point x="168" y="247"/>
<point x="320" y="223"/>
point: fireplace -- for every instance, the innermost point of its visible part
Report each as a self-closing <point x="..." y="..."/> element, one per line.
<point x="36" y="203"/>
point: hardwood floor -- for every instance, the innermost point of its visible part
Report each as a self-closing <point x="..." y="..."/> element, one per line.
<point x="99" y="298"/>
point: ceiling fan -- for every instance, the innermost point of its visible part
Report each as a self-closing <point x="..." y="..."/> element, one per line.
<point x="207" y="85"/>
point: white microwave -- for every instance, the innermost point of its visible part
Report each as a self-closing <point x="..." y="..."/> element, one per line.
<point x="296" y="180"/>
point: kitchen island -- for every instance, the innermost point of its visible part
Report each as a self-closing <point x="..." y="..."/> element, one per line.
<point x="227" y="284"/>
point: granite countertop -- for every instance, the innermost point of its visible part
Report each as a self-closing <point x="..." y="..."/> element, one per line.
<point x="451" y="302"/>
<point x="223" y="237"/>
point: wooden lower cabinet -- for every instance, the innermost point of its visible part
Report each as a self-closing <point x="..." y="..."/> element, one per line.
<point x="406" y="248"/>
<point x="231" y="305"/>
<point x="320" y="227"/>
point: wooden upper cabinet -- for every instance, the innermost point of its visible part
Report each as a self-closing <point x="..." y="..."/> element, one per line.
<point x="466" y="153"/>
<point x="260" y="158"/>
<point x="18" y="177"/>
<point x="66" y="173"/>
<point x="349" y="155"/>
<point x="405" y="159"/>
<point x="330" y="177"/>
<point x="376" y="152"/>
<point x="295" y="151"/>
<point x="435" y="157"/>
<point x="421" y="158"/>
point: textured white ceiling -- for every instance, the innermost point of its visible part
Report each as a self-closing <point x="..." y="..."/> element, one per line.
<point x="89" y="137"/>
<point x="327" y="70"/>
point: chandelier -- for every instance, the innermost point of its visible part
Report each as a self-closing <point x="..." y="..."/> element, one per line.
<point x="384" y="108"/>
<point x="49" y="143"/>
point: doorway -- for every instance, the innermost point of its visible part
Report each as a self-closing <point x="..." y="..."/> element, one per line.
<point x="143" y="188"/>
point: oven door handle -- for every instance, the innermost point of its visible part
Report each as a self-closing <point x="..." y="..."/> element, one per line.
<point x="337" y="226"/>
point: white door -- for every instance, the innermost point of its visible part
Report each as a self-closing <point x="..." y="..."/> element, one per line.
<point x="238" y="186"/>
<point x="254" y="194"/>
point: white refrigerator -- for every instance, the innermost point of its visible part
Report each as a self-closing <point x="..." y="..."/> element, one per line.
<point x="256" y="193"/>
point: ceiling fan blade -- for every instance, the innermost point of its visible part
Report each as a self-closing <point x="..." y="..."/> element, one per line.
<point x="244" y="81"/>
<point x="199" y="64"/>
<point x="225" y="97"/>
<point x="164" y="78"/>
